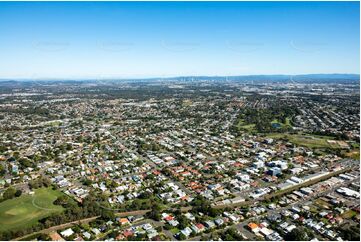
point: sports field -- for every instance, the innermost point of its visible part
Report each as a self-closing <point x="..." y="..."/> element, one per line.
<point x="26" y="210"/>
<point x="311" y="141"/>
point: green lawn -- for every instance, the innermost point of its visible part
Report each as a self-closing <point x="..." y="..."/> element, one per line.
<point x="311" y="141"/>
<point x="349" y="214"/>
<point x="354" y="154"/>
<point x="174" y="230"/>
<point x="323" y="204"/>
<point x="243" y="126"/>
<point x="26" y="210"/>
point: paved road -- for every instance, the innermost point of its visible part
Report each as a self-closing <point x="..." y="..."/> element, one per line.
<point x="288" y="190"/>
<point x="251" y="236"/>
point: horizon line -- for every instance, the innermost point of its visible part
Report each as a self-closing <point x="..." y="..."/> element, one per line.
<point x="163" y="77"/>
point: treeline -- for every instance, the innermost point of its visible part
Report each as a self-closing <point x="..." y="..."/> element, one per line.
<point x="350" y="233"/>
<point x="39" y="182"/>
<point x="10" y="193"/>
<point x="338" y="136"/>
<point x="202" y="205"/>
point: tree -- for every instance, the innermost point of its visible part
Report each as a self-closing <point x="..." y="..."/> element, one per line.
<point x="40" y="182"/>
<point x="87" y="182"/>
<point x="351" y="233"/>
<point x="297" y="234"/>
<point x="25" y="162"/>
<point x="18" y="193"/>
<point x="228" y="237"/>
<point x="44" y="237"/>
<point x="200" y="204"/>
<point x="232" y="234"/>
<point x="182" y="236"/>
<point x="155" y="213"/>
<point x="145" y="195"/>
<point x="9" y="193"/>
<point x="63" y="201"/>
<point x="214" y="212"/>
<point x="2" y="170"/>
<point x="107" y="214"/>
<point x="90" y="204"/>
<point x="183" y="222"/>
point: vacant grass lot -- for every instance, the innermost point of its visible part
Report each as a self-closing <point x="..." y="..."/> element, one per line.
<point x="349" y="214"/>
<point x="354" y="154"/>
<point x="26" y="210"/>
<point x="323" y="204"/>
<point x="311" y="141"/>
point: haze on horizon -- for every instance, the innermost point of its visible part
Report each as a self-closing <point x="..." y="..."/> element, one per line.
<point x="162" y="39"/>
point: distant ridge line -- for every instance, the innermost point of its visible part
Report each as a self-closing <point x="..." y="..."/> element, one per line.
<point x="275" y="77"/>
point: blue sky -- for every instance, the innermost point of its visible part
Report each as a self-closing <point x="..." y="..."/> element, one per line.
<point x="147" y="39"/>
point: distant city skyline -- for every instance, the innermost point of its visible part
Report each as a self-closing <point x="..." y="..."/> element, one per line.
<point x="166" y="39"/>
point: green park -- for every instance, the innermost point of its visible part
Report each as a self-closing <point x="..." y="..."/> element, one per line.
<point x="27" y="210"/>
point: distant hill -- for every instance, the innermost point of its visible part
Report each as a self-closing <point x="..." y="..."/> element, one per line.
<point x="306" y="78"/>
